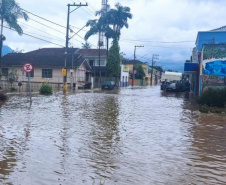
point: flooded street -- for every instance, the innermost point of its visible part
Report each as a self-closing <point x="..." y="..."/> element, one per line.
<point x="134" y="136"/>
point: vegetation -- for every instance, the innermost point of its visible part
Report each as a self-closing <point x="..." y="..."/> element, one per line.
<point x="10" y="12"/>
<point x="213" y="97"/>
<point x="214" y="51"/>
<point x="86" y="45"/>
<point x="158" y="68"/>
<point x="3" y="96"/>
<point x="140" y="72"/>
<point x="110" y="23"/>
<point x="12" y="77"/>
<point x="113" y="64"/>
<point x="45" y="89"/>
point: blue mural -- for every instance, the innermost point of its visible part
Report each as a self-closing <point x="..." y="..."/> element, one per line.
<point x="217" y="67"/>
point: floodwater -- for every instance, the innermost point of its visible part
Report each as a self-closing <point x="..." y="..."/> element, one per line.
<point x="131" y="137"/>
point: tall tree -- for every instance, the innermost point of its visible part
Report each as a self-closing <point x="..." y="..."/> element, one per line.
<point x="118" y="18"/>
<point x="113" y="63"/>
<point x="10" y="12"/>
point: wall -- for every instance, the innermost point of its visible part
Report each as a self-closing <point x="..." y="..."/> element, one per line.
<point x="78" y="77"/>
<point x="124" y="79"/>
<point x="213" y="66"/>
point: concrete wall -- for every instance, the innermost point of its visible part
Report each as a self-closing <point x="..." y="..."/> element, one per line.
<point x="124" y="79"/>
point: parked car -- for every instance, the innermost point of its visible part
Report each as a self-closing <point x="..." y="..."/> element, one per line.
<point x="109" y="85"/>
<point x="171" y="86"/>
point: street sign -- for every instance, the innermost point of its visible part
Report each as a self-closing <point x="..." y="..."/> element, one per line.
<point x="27" y="67"/>
<point x="64" y="72"/>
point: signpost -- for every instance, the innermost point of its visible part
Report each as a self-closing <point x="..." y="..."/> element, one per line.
<point x="28" y="68"/>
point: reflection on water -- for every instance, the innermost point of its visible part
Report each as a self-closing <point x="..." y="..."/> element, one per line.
<point x="131" y="136"/>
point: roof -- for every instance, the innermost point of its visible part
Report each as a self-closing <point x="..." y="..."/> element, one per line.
<point x="135" y="62"/>
<point x="92" y="52"/>
<point x="223" y="28"/>
<point x="47" y="57"/>
<point x="51" y="51"/>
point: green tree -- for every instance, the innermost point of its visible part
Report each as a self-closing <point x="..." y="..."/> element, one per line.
<point x="140" y="72"/>
<point x="86" y="45"/>
<point x="158" y="68"/>
<point x="113" y="63"/>
<point x="10" y="12"/>
<point x="12" y="76"/>
<point x="118" y="18"/>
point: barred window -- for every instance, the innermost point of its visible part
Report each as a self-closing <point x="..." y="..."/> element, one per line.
<point x="47" y="73"/>
<point x="31" y="74"/>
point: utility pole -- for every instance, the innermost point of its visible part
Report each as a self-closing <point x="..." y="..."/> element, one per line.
<point x="135" y="48"/>
<point x="67" y="39"/>
<point x="154" y="56"/>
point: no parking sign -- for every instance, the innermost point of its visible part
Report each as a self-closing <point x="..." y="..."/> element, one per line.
<point x="27" y="67"/>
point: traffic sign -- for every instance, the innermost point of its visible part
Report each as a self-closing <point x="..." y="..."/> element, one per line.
<point x="27" y="67"/>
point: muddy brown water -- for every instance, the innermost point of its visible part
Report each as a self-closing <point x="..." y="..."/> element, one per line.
<point x="132" y="136"/>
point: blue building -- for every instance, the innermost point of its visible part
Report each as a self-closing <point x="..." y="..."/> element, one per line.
<point x="216" y="36"/>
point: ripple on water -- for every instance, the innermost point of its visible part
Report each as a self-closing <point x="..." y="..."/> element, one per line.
<point x="134" y="136"/>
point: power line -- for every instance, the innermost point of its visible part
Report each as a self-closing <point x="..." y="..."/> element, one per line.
<point x="91" y="7"/>
<point x="158" y="41"/>
<point x="44" y="18"/>
<point x="40" y="30"/>
<point x="47" y="26"/>
<point x="49" y="20"/>
<point x="34" y="37"/>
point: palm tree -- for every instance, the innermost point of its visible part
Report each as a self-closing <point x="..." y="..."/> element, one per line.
<point x="118" y="18"/>
<point x="86" y="45"/>
<point x="10" y="11"/>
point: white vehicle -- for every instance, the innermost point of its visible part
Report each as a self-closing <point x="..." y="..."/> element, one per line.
<point x="171" y="76"/>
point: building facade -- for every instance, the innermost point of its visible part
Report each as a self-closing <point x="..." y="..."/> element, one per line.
<point x="48" y="64"/>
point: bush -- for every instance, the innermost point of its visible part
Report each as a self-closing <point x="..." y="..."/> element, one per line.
<point x="45" y="89"/>
<point x="213" y="97"/>
<point x="3" y="96"/>
<point x="12" y="89"/>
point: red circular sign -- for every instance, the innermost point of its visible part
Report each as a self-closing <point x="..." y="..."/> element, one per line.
<point x="27" y="67"/>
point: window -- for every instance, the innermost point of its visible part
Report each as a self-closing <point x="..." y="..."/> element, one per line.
<point x="91" y="62"/>
<point x="102" y="63"/>
<point x="31" y="74"/>
<point x="5" y="71"/>
<point x="47" y="73"/>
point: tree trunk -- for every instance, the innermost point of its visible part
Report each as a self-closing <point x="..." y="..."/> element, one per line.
<point x="99" y="62"/>
<point x="1" y="40"/>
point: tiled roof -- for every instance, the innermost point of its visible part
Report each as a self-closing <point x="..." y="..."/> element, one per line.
<point x="51" y="51"/>
<point x="92" y="52"/>
<point x="48" y="57"/>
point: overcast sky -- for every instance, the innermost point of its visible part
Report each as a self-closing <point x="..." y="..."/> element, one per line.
<point x="165" y="27"/>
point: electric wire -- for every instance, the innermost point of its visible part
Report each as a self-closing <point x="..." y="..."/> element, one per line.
<point x="34" y="36"/>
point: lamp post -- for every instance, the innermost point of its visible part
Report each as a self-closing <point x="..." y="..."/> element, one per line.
<point x="135" y="48"/>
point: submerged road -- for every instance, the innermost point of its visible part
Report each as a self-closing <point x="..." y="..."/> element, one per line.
<point x="130" y="137"/>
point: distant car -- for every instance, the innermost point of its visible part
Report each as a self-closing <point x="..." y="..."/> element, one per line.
<point x="109" y="85"/>
<point x="171" y="86"/>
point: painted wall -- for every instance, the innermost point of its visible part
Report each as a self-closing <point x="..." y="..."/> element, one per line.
<point x="213" y="66"/>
